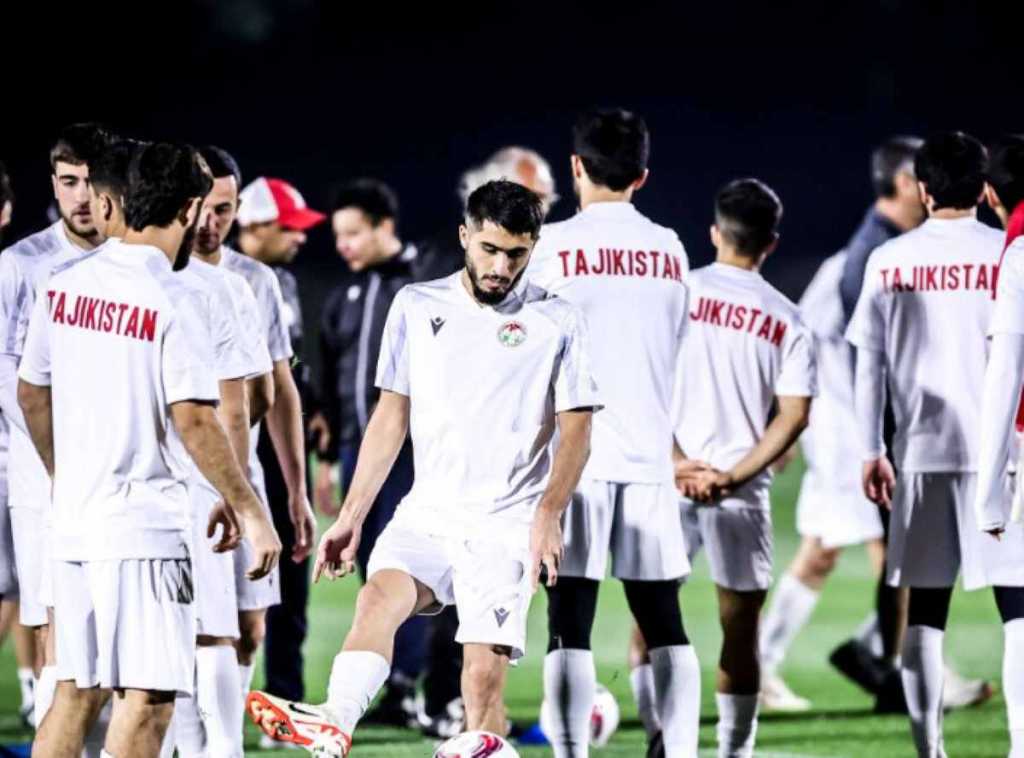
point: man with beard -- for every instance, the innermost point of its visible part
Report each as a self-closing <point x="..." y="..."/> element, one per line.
<point x="21" y="265"/>
<point x="119" y="324"/>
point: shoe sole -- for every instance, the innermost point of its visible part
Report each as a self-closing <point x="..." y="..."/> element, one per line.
<point x="278" y="726"/>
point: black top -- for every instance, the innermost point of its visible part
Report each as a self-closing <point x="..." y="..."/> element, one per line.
<point x="873" y="231"/>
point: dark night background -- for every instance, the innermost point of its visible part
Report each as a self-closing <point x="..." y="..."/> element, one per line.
<point x="793" y="93"/>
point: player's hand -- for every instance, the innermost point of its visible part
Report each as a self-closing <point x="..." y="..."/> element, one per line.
<point x="879" y="480"/>
<point x="686" y="470"/>
<point x="266" y="545"/>
<point x="336" y="556"/>
<point x="324" y="491"/>
<point x="304" y="524"/>
<point x="231" y="531"/>
<point x="546" y="546"/>
<point x="320" y="431"/>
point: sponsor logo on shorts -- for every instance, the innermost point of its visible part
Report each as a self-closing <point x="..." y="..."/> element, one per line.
<point x="501" y="616"/>
<point x="512" y="334"/>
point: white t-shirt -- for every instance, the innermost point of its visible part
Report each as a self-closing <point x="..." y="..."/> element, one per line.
<point x="626" y="274"/>
<point x="1008" y="311"/>
<point x="926" y="304"/>
<point x="484" y="385"/>
<point x="23" y="266"/>
<point x="119" y="338"/>
<point x="746" y="344"/>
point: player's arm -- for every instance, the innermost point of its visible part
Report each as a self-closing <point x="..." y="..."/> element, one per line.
<point x="384" y="437"/>
<point x="207" y="443"/>
<point x="12" y="286"/>
<point x="260" y="391"/>
<point x="234" y="415"/>
<point x="36" y="404"/>
<point x="9" y="404"/>
<point x="877" y="474"/>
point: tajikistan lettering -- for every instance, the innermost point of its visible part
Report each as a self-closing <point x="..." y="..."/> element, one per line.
<point x="610" y="262"/>
<point x="953" y="276"/>
<point x="742" y="318"/>
<point x="103" y="316"/>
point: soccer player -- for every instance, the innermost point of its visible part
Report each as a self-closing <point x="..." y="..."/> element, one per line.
<point x="1004" y="379"/>
<point x="747" y="352"/>
<point x="72" y="235"/>
<point x="108" y="186"/>
<point x="919" y="329"/>
<point x="626" y="274"/>
<point x="117" y="366"/>
<point x="482" y="367"/>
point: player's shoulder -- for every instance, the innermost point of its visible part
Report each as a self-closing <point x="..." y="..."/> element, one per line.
<point x="1013" y="259"/>
<point x="29" y="252"/>
<point x="548" y="305"/>
<point x="257" y="273"/>
<point x="429" y="291"/>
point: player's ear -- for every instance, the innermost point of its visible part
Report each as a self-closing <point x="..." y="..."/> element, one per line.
<point x="923" y="194"/>
<point x="716" y="236"/>
<point x="771" y="247"/>
<point x="642" y="180"/>
<point x="991" y="197"/>
<point x="577" y="166"/>
<point x="464" y="236"/>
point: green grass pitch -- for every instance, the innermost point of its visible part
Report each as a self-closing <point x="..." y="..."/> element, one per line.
<point x="841" y="723"/>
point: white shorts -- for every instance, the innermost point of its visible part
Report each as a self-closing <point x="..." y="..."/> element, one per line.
<point x="486" y="579"/>
<point x="8" y="567"/>
<point x="264" y="592"/>
<point x="833" y="509"/>
<point x="126" y="624"/>
<point x="933" y="534"/>
<point x="738" y="540"/>
<point x="216" y="601"/>
<point x="31" y="553"/>
<point x="638" y="523"/>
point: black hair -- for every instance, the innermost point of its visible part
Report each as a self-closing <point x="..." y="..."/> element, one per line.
<point x="614" y="146"/>
<point x="6" y="192"/>
<point x="78" y="144"/>
<point x="108" y="171"/>
<point x="511" y="206"/>
<point x="1006" y="170"/>
<point x="221" y="163"/>
<point x="894" y="155"/>
<point x="747" y="214"/>
<point x="372" y="196"/>
<point x="952" y="166"/>
<point x="162" y="179"/>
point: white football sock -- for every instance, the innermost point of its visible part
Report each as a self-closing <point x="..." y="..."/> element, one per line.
<point x="792" y="605"/>
<point x="218" y="684"/>
<point x="27" y="681"/>
<point x="642" y="680"/>
<point x="245" y="674"/>
<point x="97" y="735"/>
<point x="189" y="733"/>
<point x="356" y="677"/>
<point x="869" y="634"/>
<point x="737" y="725"/>
<point x="922" y="673"/>
<point x="1013" y="683"/>
<point x="45" y="689"/>
<point x="569" y="685"/>
<point x="677" y="698"/>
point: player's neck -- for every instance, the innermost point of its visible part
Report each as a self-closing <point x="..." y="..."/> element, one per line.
<point x="950" y="214"/>
<point x="84" y="243"/>
<point x="166" y="240"/>
<point x="592" y="194"/>
<point x="729" y="257"/>
<point x="212" y="258"/>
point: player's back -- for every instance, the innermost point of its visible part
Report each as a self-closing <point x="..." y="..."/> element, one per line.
<point x="927" y="303"/>
<point x="123" y="340"/>
<point x="626" y="274"/>
<point x="745" y="344"/>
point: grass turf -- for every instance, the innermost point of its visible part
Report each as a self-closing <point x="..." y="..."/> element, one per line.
<point x="841" y="723"/>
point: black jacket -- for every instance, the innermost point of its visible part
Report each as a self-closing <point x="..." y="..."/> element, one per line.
<point x="351" y="329"/>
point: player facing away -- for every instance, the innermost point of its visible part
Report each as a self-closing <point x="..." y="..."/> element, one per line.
<point x="626" y="274"/>
<point x="117" y="366"/>
<point x="920" y="329"/>
<point x="746" y="354"/>
<point x="482" y="367"/>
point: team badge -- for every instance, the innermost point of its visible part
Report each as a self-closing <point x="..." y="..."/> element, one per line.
<point x="512" y="334"/>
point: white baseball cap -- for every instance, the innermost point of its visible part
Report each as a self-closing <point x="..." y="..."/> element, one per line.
<point x="265" y="200"/>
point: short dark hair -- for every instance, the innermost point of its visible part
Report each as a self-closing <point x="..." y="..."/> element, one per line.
<point x="108" y="170"/>
<point x="372" y="196"/>
<point x="162" y="178"/>
<point x="747" y="214"/>
<point x="614" y="146"/>
<point x="221" y="163"/>
<point x="507" y="204"/>
<point x="894" y="155"/>
<point x="1006" y="170"/>
<point x="78" y="144"/>
<point x="952" y="166"/>
<point x="6" y="192"/>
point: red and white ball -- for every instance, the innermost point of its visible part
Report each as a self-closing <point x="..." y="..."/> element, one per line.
<point x="604" y="718"/>
<point x="476" y="745"/>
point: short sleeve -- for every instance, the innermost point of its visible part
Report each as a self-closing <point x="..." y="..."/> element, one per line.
<point x="231" y="358"/>
<point x="867" y="326"/>
<point x="393" y="361"/>
<point x="14" y="304"/>
<point x="574" y="378"/>
<point x="187" y="356"/>
<point x="35" y="359"/>
<point x="1008" y="313"/>
<point x="257" y="352"/>
<point x="278" y="342"/>
<point x="799" y="374"/>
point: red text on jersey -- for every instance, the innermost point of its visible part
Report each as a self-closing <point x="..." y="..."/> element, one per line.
<point x="742" y="318"/>
<point x="100" y="315"/>
<point x="611" y="262"/>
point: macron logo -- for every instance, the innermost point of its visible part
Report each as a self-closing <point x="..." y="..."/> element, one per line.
<point x="436" y="323"/>
<point x="500" y="615"/>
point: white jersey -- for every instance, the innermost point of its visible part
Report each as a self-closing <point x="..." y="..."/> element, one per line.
<point x="745" y="345"/>
<point x="119" y="338"/>
<point x="1008" y="312"/>
<point x="626" y="274"/>
<point x="23" y="266"/>
<point x="926" y="304"/>
<point x="484" y="385"/>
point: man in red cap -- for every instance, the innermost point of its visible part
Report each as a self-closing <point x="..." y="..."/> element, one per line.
<point x="273" y="220"/>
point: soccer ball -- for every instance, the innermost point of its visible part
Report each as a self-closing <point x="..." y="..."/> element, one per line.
<point x="476" y="745"/>
<point x="604" y="718"/>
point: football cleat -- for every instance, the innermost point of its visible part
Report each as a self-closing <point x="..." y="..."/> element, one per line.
<point x="308" y="726"/>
